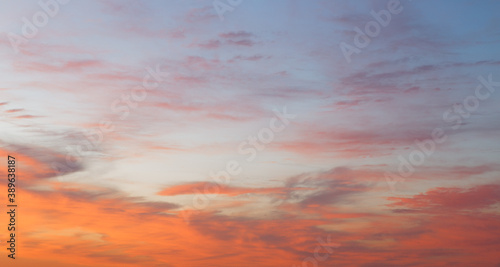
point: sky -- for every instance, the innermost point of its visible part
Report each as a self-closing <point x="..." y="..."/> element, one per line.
<point x="251" y="133"/>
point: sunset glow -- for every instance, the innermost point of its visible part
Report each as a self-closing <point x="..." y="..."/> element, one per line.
<point x="240" y="133"/>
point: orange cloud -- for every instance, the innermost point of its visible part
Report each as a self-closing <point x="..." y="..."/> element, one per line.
<point x="199" y="187"/>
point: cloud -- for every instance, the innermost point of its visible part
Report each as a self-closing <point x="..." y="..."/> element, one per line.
<point x="249" y="58"/>
<point x="200" y="15"/>
<point x="68" y="66"/>
<point x="211" y="44"/>
<point x="334" y="186"/>
<point x="239" y="34"/>
<point x="208" y="187"/>
<point x="14" y="110"/>
<point x="452" y="199"/>
<point x="27" y="116"/>
<point x="244" y="42"/>
<point x="40" y="162"/>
